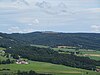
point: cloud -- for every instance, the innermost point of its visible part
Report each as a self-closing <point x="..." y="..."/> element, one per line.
<point x="94" y="10"/>
<point x="95" y="28"/>
<point x="35" y="21"/>
<point x="44" y="4"/>
<point x="59" y="9"/>
<point x="29" y="21"/>
<point x="13" y="1"/>
<point x="16" y="29"/>
<point x="61" y="15"/>
<point x="18" y="4"/>
<point x="23" y="1"/>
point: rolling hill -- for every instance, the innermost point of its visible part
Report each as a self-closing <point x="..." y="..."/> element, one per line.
<point x="53" y="39"/>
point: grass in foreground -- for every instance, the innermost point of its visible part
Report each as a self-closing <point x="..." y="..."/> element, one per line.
<point x="41" y="67"/>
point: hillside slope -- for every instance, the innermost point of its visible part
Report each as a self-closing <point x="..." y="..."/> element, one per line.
<point x="82" y="40"/>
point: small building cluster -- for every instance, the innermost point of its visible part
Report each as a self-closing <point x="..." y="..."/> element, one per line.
<point x="65" y="47"/>
<point x="21" y="62"/>
<point x="61" y="46"/>
<point x="98" y="70"/>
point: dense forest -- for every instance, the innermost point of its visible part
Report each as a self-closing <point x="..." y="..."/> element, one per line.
<point x="52" y="39"/>
<point x="51" y="56"/>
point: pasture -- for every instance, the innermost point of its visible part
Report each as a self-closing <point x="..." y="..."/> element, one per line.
<point x="45" y="68"/>
<point x="48" y="68"/>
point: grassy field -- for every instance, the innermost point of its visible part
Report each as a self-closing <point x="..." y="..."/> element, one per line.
<point x="91" y="54"/>
<point x="41" y="46"/>
<point x="41" y="67"/>
<point x="94" y="57"/>
<point x="2" y="48"/>
<point x="83" y="52"/>
<point x="64" y="49"/>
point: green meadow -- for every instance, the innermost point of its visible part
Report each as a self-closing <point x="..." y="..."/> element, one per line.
<point x="45" y="68"/>
<point x="48" y="68"/>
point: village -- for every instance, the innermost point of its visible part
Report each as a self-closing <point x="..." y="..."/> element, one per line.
<point x="9" y="56"/>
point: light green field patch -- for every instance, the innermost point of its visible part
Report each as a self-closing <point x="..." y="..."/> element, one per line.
<point x="41" y="46"/>
<point x="91" y="52"/>
<point x="41" y="67"/>
<point x="64" y="49"/>
<point x="2" y="48"/>
<point x="94" y="57"/>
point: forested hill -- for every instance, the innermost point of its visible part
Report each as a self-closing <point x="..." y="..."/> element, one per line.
<point x="82" y="40"/>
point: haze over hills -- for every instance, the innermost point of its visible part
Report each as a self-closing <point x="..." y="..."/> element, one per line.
<point x="53" y="39"/>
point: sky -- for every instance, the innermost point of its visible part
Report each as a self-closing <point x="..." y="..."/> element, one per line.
<point x="70" y="16"/>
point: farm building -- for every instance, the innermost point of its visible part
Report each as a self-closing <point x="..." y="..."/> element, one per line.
<point x="21" y="62"/>
<point x="66" y="47"/>
<point x="98" y="70"/>
<point x="61" y="46"/>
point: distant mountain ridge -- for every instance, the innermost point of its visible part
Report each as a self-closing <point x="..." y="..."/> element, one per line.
<point x="53" y="39"/>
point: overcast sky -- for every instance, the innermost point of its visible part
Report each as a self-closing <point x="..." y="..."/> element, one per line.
<point x="49" y="15"/>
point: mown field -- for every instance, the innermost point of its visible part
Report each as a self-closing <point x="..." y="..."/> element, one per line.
<point x="41" y="67"/>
